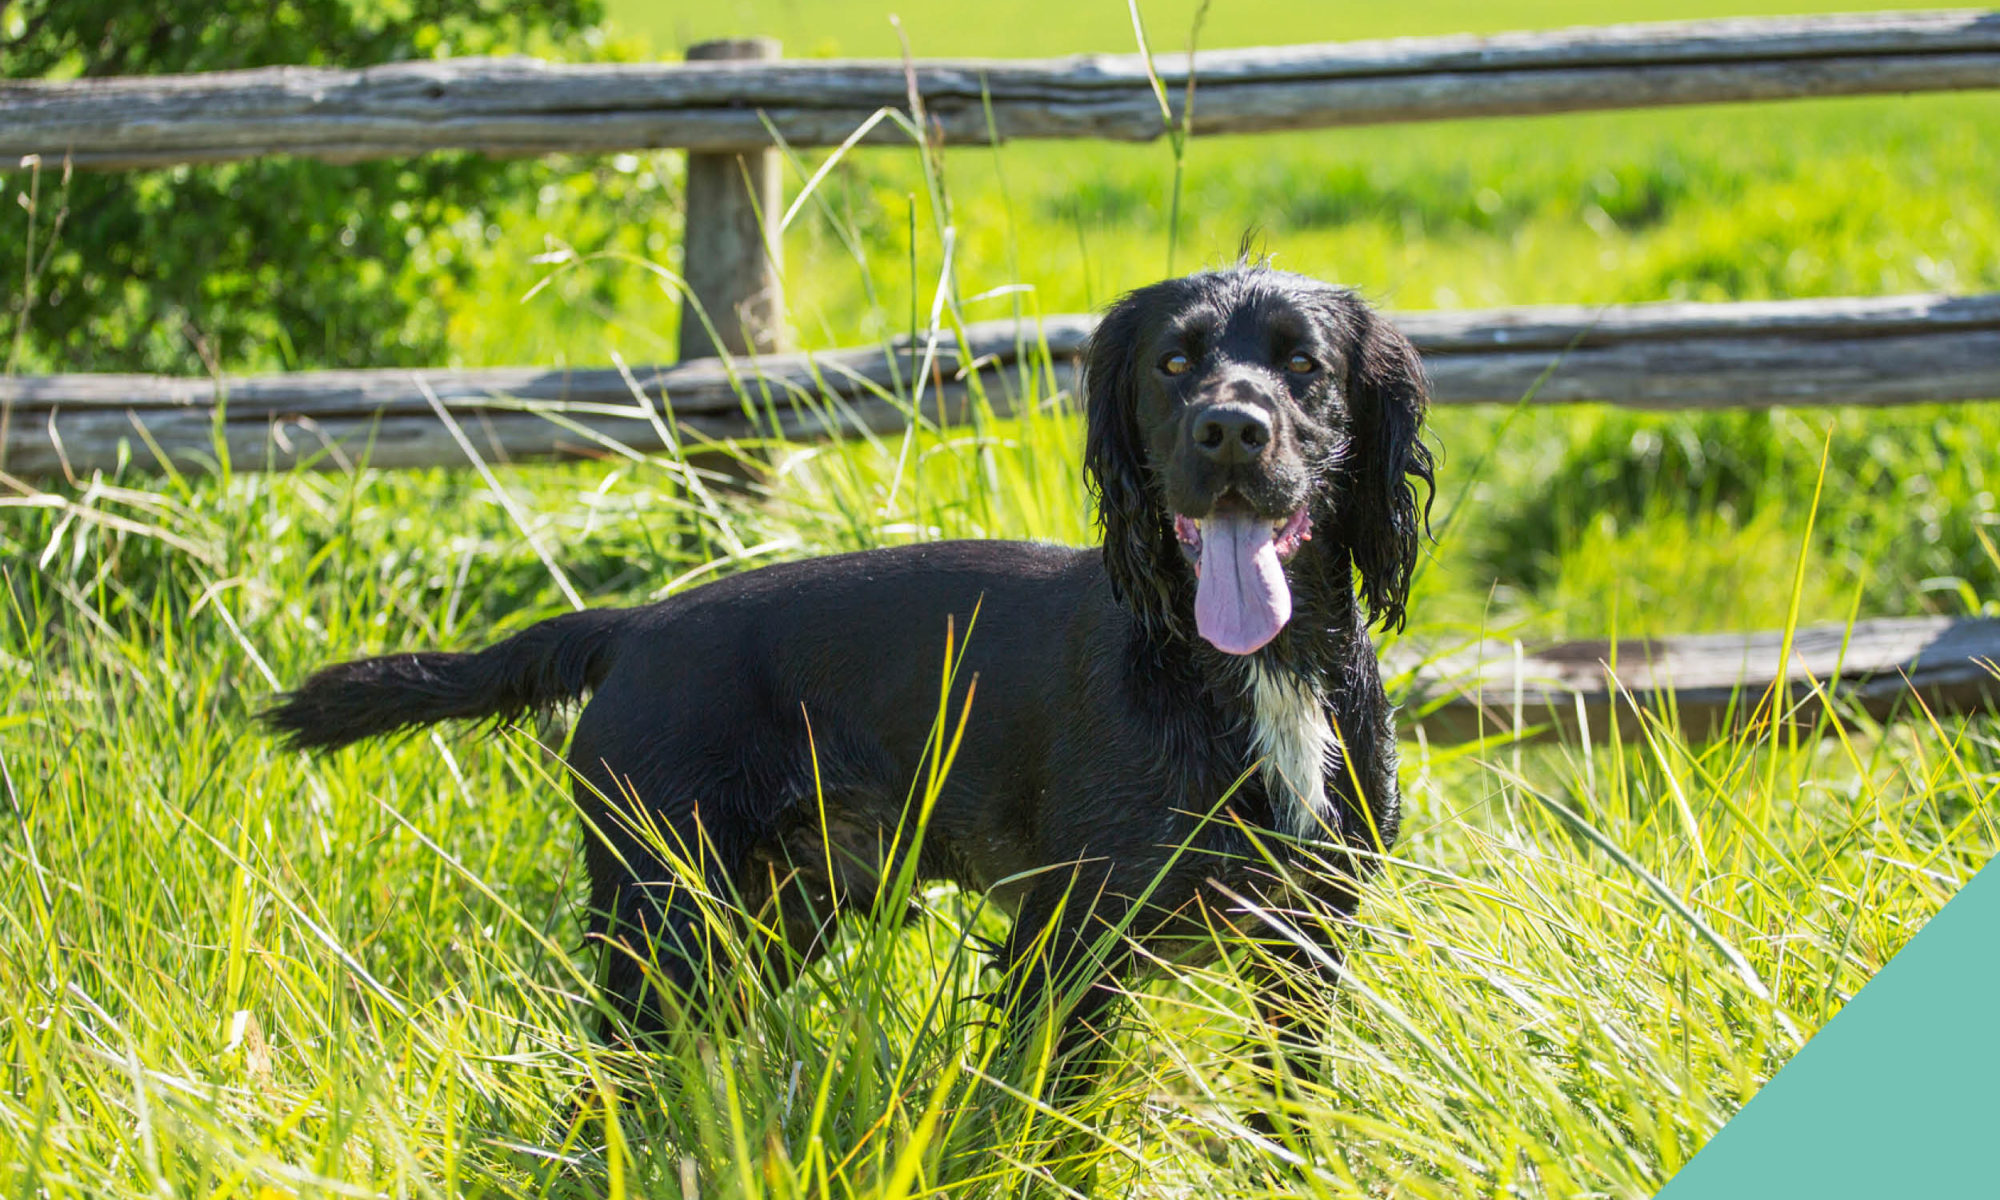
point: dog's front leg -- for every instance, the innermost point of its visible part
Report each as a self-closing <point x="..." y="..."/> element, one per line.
<point x="1062" y="979"/>
<point x="1295" y="990"/>
<point x="1059" y="1006"/>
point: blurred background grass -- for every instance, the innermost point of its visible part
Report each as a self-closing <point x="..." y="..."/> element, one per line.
<point x="1863" y="196"/>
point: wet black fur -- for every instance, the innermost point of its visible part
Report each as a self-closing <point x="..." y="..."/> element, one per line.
<point x="1103" y="732"/>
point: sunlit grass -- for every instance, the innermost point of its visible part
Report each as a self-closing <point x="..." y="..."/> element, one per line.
<point x="1525" y="1010"/>
<point x="240" y="969"/>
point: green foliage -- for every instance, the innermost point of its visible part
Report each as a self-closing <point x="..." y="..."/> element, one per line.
<point x="267" y="264"/>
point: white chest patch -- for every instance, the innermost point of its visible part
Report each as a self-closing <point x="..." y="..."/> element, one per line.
<point x="1289" y="732"/>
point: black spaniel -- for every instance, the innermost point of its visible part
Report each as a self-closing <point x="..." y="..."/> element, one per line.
<point x="1142" y="718"/>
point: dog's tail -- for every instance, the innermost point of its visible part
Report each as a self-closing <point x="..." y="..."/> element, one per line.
<point x="554" y="661"/>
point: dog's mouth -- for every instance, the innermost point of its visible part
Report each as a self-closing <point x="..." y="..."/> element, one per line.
<point x="1241" y="597"/>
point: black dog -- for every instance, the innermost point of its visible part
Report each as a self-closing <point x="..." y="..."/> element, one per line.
<point x="1253" y="439"/>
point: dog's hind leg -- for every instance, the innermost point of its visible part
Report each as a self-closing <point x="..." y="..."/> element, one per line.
<point x="662" y="884"/>
<point x="793" y="903"/>
<point x="657" y="948"/>
<point x="828" y="857"/>
<point x="702" y="914"/>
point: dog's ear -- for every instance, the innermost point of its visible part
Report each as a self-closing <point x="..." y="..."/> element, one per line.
<point x="1137" y="537"/>
<point x="1388" y="395"/>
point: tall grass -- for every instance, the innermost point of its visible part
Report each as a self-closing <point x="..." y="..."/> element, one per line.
<point x="234" y="970"/>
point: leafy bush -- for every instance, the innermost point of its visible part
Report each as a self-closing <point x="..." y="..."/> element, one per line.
<point x="270" y="263"/>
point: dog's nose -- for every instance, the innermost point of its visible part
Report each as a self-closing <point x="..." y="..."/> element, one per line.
<point x="1230" y="434"/>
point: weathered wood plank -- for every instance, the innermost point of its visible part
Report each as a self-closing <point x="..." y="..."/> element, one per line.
<point x="731" y="255"/>
<point x="527" y="107"/>
<point x="1556" y="326"/>
<point x="1707" y="682"/>
<point x="702" y="386"/>
<point x="1895" y="350"/>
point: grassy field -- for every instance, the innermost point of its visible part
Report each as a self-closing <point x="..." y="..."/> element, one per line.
<point x="232" y="971"/>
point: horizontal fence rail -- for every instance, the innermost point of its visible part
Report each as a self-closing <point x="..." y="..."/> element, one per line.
<point x="1706" y="682"/>
<point x="529" y="107"/>
<point x="1897" y="350"/>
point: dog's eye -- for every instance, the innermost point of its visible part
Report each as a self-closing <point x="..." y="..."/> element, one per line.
<point x="1175" y="364"/>
<point x="1301" y="364"/>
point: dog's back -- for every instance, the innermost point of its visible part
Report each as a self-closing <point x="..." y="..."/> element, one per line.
<point x="840" y="619"/>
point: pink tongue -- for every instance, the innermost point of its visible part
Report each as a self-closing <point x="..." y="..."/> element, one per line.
<point x="1241" y="600"/>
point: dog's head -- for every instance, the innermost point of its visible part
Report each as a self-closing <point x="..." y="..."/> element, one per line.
<point x="1236" y="415"/>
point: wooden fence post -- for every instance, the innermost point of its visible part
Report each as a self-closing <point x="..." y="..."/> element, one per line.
<point x="730" y="265"/>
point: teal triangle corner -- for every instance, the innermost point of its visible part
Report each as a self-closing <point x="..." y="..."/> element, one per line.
<point x="1897" y="1095"/>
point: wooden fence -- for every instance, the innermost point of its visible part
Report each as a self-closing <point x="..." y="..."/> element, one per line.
<point x="732" y="101"/>
<point x="523" y="106"/>
<point x="1702" y="684"/>
<point x="1900" y="350"/>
